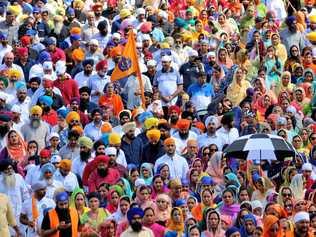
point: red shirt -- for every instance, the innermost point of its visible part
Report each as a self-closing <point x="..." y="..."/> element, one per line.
<point x="57" y="55"/>
<point x="68" y="88"/>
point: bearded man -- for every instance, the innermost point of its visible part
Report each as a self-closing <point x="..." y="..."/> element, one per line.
<point x="47" y="176"/>
<point x="183" y="135"/>
<point x="65" y="176"/>
<point x="36" y="129"/>
<point x="79" y="163"/>
<point x="14" y="186"/>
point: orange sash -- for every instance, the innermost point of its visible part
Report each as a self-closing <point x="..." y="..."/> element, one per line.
<point x="54" y="221"/>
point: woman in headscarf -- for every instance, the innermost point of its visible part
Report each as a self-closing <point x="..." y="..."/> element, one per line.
<point x="297" y="186"/>
<point x="78" y="201"/>
<point x="15" y="149"/>
<point x="125" y="185"/>
<point x="146" y="173"/>
<point x="272" y="227"/>
<point x="215" y="168"/>
<point x="206" y="202"/>
<point x="112" y="99"/>
<point x="224" y="24"/>
<point x="230" y="206"/>
<point x="249" y="225"/>
<point x="149" y="221"/>
<point x="163" y="209"/>
<point x="284" y="84"/>
<point x="300" y="97"/>
<point x="213" y="225"/>
<point x="273" y="68"/>
<point x="96" y="215"/>
<point x="236" y="91"/>
<point x="164" y="172"/>
<point x="280" y="50"/>
<point x="108" y="228"/>
<point x="293" y="58"/>
<point x="263" y="187"/>
<point x="120" y="214"/>
<point x="263" y="103"/>
<point x="231" y="179"/>
<point x="224" y="60"/>
<point x="285" y="193"/>
<point x="199" y="166"/>
<point x="176" y="222"/>
<point x="199" y="29"/>
<point x="112" y="200"/>
<point x="307" y="86"/>
<point x="275" y="209"/>
<point x="193" y="177"/>
<point x="158" y="187"/>
<point x="143" y="197"/>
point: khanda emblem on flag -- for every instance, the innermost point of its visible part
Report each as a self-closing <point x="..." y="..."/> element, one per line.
<point x="124" y="64"/>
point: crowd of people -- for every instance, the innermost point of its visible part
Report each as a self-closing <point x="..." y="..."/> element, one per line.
<point x="84" y="152"/>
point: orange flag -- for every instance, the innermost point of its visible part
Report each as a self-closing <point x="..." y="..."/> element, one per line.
<point x="128" y="64"/>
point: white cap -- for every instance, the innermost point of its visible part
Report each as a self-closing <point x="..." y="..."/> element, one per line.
<point x="116" y="36"/>
<point x="211" y="54"/>
<point x="55" y="159"/>
<point x="94" y="42"/>
<point x="307" y="167"/>
<point x="166" y="59"/>
<point x="163" y="15"/>
<point x="48" y="65"/>
<point x="139" y="44"/>
<point x="139" y="182"/>
<point x="193" y="53"/>
<point x="110" y="151"/>
<point x="301" y="216"/>
<point x="146" y="37"/>
<point x="16" y="109"/>
<point x="151" y="63"/>
<point x="140" y="11"/>
<point x="256" y="204"/>
<point x="51" y="135"/>
<point x="60" y="67"/>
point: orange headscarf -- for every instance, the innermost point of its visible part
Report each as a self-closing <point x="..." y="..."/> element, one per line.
<point x="268" y="221"/>
<point x="171" y="225"/>
<point x="16" y="152"/>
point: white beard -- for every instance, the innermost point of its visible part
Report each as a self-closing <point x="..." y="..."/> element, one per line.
<point x="57" y="27"/>
<point x="10" y="180"/>
<point x="49" y="181"/>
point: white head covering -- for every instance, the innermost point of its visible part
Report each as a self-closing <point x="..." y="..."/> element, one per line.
<point x="211" y="119"/>
<point x="301" y="216"/>
<point x="110" y="151"/>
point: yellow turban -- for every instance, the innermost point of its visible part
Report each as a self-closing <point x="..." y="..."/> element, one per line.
<point x="65" y="164"/>
<point x="114" y="139"/>
<point x="151" y="122"/>
<point x="125" y="13"/>
<point x="14" y="10"/>
<point x="174" y="183"/>
<point x="73" y="115"/>
<point x="312" y="19"/>
<point x="78" y="55"/>
<point x="14" y="73"/>
<point x="106" y="127"/>
<point x="78" y="3"/>
<point x="153" y="135"/>
<point x="312" y="36"/>
<point x="164" y="45"/>
<point x="36" y="110"/>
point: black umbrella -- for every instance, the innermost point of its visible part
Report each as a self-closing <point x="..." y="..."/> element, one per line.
<point x="260" y="147"/>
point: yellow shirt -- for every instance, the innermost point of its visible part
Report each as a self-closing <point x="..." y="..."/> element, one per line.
<point x="145" y="232"/>
<point x="6" y="215"/>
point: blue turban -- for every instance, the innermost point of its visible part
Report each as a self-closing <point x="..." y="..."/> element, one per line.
<point x="45" y="99"/>
<point x="27" y="8"/>
<point x="231" y="231"/>
<point x="47" y="167"/>
<point x="62" y="112"/>
<point x="75" y="37"/>
<point x="180" y="22"/>
<point x="185" y="181"/>
<point x="256" y="177"/>
<point x="143" y="116"/>
<point x="134" y="211"/>
<point x="250" y="217"/>
<point x="3" y="36"/>
<point x="290" y="20"/>
<point x="70" y="11"/>
<point x="62" y="197"/>
<point x="105" y="139"/>
<point x="207" y="180"/>
<point x="179" y="202"/>
<point x="20" y="86"/>
<point x="64" y="45"/>
<point x="31" y="32"/>
<point x="44" y="56"/>
<point x="171" y="234"/>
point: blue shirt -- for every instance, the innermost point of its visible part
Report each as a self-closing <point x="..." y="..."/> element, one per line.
<point x="206" y="89"/>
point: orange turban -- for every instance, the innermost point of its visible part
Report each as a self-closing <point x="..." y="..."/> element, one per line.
<point x="78" y="55"/>
<point x="73" y="115"/>
<point x="153" y="134"/>
<point x="65" y="164"/>
<point x="78" y="129"/>
<point x="106" y="128"/>
<point x="169" y="141"/>
<point x="200" y="126"/>
<point x="75" y="31"/>
<point x="183" y="124"/>
<point x="268" y="221"/>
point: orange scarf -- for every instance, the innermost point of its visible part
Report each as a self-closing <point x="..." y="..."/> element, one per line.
<point x="17" y="152"/>
<point x="35" y="212"/>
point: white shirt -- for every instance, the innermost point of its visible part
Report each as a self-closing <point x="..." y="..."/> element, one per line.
<point x="121" y="159"/>
<point x="93" y="131"/>
<point x="206" y="140"/>
<point x="17" y="195"/>
<point x="4" y="50"/>
<point x="33" y="175"/>
<point x="82" y="79"/>
<point x="51" y="188"/>
<point x="25" y="107"/>
<point x="69" y="182"/>
<point x="78" y="166"/>
<point x="229" y="136"/>
<point x="43" y="204"/>
<point x="182" y="144"/>
<point x="178" y="165"/>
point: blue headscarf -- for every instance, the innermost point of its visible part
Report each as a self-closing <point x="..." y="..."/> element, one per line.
<point x="248" y="217"/>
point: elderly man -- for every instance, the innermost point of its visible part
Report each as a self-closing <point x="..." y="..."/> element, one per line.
<point x="23" y="101"/>
<point x="8" y="64"/>
<point x="98" y="172"/>
<point x="211" y="136"/>
<point x="36" y="129"/>
<point x="183" y="134"/>
<point x="13" y="185"/>
<point x="131" y="145"/>
<point x="62" y="220"/>
<point x="65" y="176"/>
<point x="136" y="228"/>
<point x="302" y="225"/>
<point x="178" y="166"/>
<point x="47" y="176"/>
<point x="30" y="217"/>
<point x="192" y="150"/>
